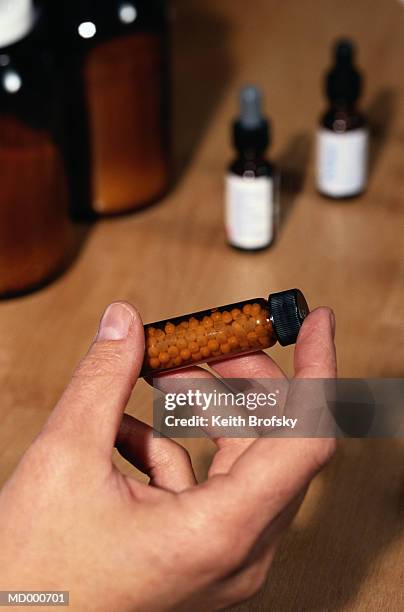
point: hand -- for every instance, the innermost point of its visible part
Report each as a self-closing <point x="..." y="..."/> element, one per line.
<point x="69" y="520"/>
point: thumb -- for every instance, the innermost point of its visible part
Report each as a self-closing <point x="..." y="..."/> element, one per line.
<point x="91" y="408"/>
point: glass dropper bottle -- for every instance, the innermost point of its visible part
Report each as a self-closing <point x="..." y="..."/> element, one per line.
<point x="223" y="332"/>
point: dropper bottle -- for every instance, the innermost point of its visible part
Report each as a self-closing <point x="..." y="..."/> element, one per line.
<point x="251" y="189"/>
<point x="343" y="135"/>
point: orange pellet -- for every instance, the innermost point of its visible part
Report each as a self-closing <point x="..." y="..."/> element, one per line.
<point x="177" y="361"/>
<point x="154" y="363"/>
<point x="247" y="309"/>
<point x="207" y="321"/>
<point x="151" y="331"/>
<point x="255" y="309"/>
<point x="252" y="337"/>
<point x="226" y="317"/>
<point x="197" y="356"/>
<point x="205" y="352"/>
<point x="164" y="357"/>
<point x="225" y="348"/>
<point x="233" y="342"/>
<point x="190" y="336"/>
<point x="182" y="343"/>
<point x="201" y="340"/>
<point x="185" y="354"/>
<point x="193" y="347"/>
<point x="213" y="345"/>
<point x="169" y="328"/>
<point x="236" y="312"/>
<point x="237" y="328"/>
<point x="153" y="352"/>
<point x="193" y="323"/>
<point x="173" y="351"/>
<point x="221" y="337"/>
<point x="216" y="316"/>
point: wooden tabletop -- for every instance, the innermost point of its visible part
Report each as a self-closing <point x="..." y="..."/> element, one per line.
<point x="345" y="550"/>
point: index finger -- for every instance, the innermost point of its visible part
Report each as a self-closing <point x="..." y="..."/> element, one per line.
<point x="273" y="471"/>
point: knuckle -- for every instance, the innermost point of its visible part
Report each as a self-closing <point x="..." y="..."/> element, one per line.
<point x="249" y="583"/>
<point x="323" y="451"/>
<point x="102" y="361"/>
<point x="180" y="454"/>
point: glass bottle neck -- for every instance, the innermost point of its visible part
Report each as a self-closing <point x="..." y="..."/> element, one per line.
<point x="343" y="106"/>
<point x="251" y="154"/>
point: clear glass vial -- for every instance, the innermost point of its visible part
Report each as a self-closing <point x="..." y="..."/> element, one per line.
<point x="224" y="331"/>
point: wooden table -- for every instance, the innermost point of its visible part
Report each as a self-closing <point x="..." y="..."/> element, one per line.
<point x="346" y="548"/>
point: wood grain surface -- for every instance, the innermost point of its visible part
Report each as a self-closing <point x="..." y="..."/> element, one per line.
<point x="345" y="550"/>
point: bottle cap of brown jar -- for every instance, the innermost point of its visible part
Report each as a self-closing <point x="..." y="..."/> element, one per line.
<point x="17" y="18"/>
<point x="288" y="310"/>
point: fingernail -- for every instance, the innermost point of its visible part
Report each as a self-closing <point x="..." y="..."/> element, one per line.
<point x="332" y="320"/>
<point x="115" y="323"/>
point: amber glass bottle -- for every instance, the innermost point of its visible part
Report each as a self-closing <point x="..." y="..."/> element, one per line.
<point x="251" y="205"/>
<point x="343" y="135"/>
<point x="223" y="332"/>
<point x="34" y="225"/>
<point x="115" y="59"/>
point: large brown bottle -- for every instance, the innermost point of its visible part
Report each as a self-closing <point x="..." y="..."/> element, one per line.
<point x="115" y="59"/>
<point x="34" y="226"/>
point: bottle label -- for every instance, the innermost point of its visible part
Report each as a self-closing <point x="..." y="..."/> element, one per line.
<point x="342" y="162"/>
<point x="249" y="211"/>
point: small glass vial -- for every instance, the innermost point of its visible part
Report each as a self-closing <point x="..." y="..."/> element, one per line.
<point x="343" y="136"/>
<point x="223" y="332"/>
<point x="251" y="182"/>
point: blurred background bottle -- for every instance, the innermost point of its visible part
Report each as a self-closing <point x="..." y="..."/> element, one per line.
<point x="115" y="61"/>
<point x="343" y="136"/>
<point x="251" y="182"/>
<point x="34" y="225"/>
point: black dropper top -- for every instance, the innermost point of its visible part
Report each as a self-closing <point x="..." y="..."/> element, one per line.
<point x="343" y="82"/>
<point x="251" y="130"/>
<point x="288" y="310"/>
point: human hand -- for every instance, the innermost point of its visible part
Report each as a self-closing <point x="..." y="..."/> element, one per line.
<point x="69" y="520"/>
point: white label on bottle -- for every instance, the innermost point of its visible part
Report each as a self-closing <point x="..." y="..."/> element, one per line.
<point x="249" y="211"/>
<point x="342" y="162"/>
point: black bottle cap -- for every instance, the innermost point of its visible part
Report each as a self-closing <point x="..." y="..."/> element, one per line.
<point x="344" y="82"/>
<point x="288" y="310"/>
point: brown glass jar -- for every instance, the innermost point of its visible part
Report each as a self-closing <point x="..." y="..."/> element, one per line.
<point x="34" y="223"/>
<point x="223" y="332"/>
<point x="115" y="59"/>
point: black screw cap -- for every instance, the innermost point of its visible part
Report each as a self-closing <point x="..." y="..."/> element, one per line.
<point x="288" y="310"/>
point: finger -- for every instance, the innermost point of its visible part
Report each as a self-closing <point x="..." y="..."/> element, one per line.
<point x="256" y="365"/>
<point x="266" y="478"/>
<point x="229" y="447"/>
<point x="286" y="466"/>
<point x="315" y="355"/>
<point x="90" y="410"/>
<point x="315" y="365"/>
<point x="167" y="463"/>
